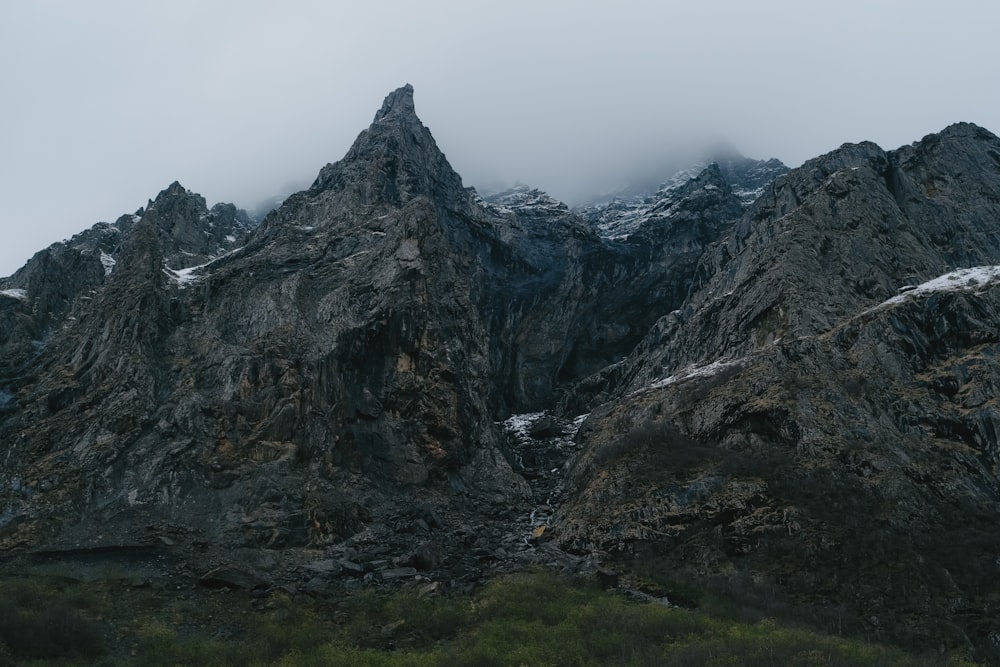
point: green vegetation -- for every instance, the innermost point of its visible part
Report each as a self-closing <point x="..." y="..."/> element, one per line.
<point x="42" y="621"/>
<point x="535" y="618"/>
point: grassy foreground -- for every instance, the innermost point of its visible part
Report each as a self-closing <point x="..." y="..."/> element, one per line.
<point x="534" y="619"/>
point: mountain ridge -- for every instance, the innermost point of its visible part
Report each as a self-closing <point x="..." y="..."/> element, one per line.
<point x="732" y="389"/>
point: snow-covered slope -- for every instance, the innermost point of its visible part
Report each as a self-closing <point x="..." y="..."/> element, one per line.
<point x="618" y="217"/>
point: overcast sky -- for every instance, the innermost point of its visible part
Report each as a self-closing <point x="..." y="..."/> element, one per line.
<point x="103" y="104"/>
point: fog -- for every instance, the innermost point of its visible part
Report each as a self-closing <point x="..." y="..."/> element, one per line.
<point x="106" y="103"/>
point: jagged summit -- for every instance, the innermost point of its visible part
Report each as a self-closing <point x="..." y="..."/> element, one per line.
<point x="191" y="232"/>
<point x="172" y="192"/>
<point x="525" y="198"/>
<point x="397" y="103"/>
<point x="743" y="178"/>
<point x="171" y="195"/>
<point x="174" y="189"/>
<point x="393" y="161"/>
<point x="967" y="129"/>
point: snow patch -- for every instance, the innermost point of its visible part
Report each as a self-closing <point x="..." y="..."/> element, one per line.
<point x="546" y="452"/>
<point x="19" y="294"/>
<point x="691" y="372"/>
<point x="618" y="218"/>
<point x="748" y="197"/>
<point x="518" y="425"/>
<point x="183" y="277"/>
<point x="108" y="262"/>
<point x="5" y="397"/>
<point x="960" y="280"/>
<point x="523" y="199"/>
<point x="192" y="274"/>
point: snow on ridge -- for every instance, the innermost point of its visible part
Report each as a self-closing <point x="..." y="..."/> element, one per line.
<point x="19" y="294"/>
<point x="183" y="277"/>
<point x="525" y="199"/>
<point x="959" y="280"/>
<point x="748" y="196"/>
<point x="681" y="178"/>
<point x="690" y="372"/>
<point x="621" y="216"/>
<point x="192" y="274"/>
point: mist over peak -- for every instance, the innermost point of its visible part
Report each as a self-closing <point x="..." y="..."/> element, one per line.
<point x="571" y="101"/>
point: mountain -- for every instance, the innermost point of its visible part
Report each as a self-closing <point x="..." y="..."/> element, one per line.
<point x="780" y="381"/>
<point x="819" y="417"/>
<point x="351" y="358"/>
<point x="619" y="215"/>
<point x="56" y="278"/>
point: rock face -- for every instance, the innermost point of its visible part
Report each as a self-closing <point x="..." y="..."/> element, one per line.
<point x="788" y="381"/>
<point x="816" y="416"/>
<point x="52" y="281"/>
<point x="354" y="353"/>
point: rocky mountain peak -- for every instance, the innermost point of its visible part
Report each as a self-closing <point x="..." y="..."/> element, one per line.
<point x="398" y="103"/>
<point x="175" y="206"/>
<point x="526" y="200"/>
<point x="733" y="182"/>
<point x="394" y="161"/>
<point x="191" y="233"/>
<point x="968" y="130"/>
<point x="175" y="189"/>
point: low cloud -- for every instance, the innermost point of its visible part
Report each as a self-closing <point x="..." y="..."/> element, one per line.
<point x="106" y="104"/>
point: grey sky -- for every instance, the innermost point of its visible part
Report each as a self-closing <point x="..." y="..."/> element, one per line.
<point x="105" y="103"/>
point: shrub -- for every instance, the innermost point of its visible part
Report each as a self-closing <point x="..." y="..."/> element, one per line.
<point x="52" y="630"/>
